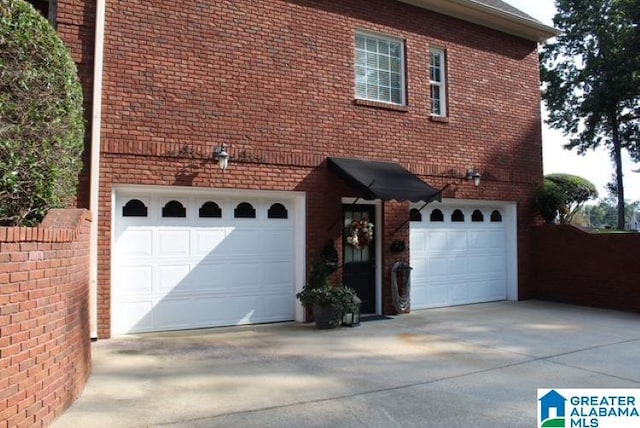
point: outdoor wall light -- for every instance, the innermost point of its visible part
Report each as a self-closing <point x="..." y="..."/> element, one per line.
<point x="222" y="156"/>
<point x="474" y="174"/>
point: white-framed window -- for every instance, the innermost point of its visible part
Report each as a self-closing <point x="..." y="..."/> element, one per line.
<point x="437" y="80"/>
<point x="380" y="69"/>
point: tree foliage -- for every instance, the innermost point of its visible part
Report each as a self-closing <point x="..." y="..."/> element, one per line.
<point x="604" y="214"/>
<point x="41" y="119"/>
<point x="562" y="195"/>
<point x="591" y="78"/>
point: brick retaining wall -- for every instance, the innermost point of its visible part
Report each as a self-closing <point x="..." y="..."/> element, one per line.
<point x="45" y="344"/>
<point x="575" y="266"/>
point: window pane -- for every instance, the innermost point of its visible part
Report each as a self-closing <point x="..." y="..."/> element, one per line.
<point x="435" y="75"/>
<point x="384" y="78"/>
<point x="373" y="79"/>
<point x="372" y="60"/>
<point x="395" y="80"/>
<point x="435" y="60"/>
<point x="394" y="49"/>
<point x="361" y="58"/>
<point x="372" y="92"/>
<point x="395" y="65"/>
<point x="435" y="92"/>
<point x="372" y="44"/>
<point x="396" y="96"/>
<point x="360" y="41"/>
<point x="385" y="94"/>
<point x="383" y="62"/>
<point x="383" y="47"/>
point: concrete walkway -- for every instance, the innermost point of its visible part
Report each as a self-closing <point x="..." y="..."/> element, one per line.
<point x="477" y="365"/>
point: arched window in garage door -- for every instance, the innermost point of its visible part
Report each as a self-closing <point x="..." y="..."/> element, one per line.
<point x="477" y="216"/>
<point x="134" y="208"/>
<point x="277" y="210"/>
<point x="174" y="209"/>
<point x="436" y="216"/>
<point x="210" y="210"/>
<point x="457" y="216"/>
<point x="244" y="210"/>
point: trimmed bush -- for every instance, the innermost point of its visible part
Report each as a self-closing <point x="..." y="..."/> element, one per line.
<point x="562" y="195"/>
<point x="41" y="117"/>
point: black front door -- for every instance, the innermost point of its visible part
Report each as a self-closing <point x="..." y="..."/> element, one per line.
<point x="359" y="253"/>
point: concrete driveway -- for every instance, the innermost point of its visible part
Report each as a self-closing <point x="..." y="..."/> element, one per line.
<point x="477" y="365"/>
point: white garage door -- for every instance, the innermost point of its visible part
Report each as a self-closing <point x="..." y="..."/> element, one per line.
<point x="459" y="255"/>
<point x="201" y="261"/>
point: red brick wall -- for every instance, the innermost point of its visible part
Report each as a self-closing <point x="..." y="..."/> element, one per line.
<point x="76" y="27"/>
<point x="582" y="268"/>
<point x="45" y="345"/>
<point x="274" y="80"/>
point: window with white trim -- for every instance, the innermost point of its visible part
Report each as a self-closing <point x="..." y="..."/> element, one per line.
<point x="438" y="83"/>
<point x="380" y="69"/>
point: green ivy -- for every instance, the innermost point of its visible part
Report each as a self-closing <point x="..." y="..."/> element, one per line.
<point x="41" y="117"/>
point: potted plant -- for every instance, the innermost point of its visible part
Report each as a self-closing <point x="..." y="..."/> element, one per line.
<point x="328" y="303"/>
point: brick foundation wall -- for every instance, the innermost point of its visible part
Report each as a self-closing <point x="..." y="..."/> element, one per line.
<point x="45" y="345"/>
<point x="582" y="268"/>
<point x="274" y="80"/>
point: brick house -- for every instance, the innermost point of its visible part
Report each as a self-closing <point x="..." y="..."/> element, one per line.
<point x="330" y="112"/>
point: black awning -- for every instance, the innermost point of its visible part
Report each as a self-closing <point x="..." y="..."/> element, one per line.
<point x="382" y="180"/>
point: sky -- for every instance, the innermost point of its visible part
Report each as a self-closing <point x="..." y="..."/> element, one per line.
<point x="596" y="166"/>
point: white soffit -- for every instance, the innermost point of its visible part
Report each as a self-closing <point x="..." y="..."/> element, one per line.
<point x="488" y="16"/>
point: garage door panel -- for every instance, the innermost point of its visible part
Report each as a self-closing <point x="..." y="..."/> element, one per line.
<point x="172" y="313"/>
<point x="277" y="306"/>
<point x="244" y="242"/>
<point x="134" y="316"/>
<point x="429" y="295"/>
<point x="207" y="277"/>
<point x="136" y="243"/>
<point x="171" y="277"/>
<point x="483" y="239"/>
<point x="277" y="241"/>
<point x="418" y="241"/>
<point x="459" y="293"/>
<point x="173" y="243"/>
<point x="457" y="264"/>
<point x="435" y="266"/>
<point x="435" y="240"/>
<point x="135" y="279"/>
<point x="487" y="264"/>
<point x="456" y="241"/>
<point x="278" y="273"/>
<point x="491" y="290"/>
<point x="207" y="242"/>
<point x="243" y="274"/>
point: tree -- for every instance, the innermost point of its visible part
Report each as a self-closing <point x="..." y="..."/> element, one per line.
<point x="41" y="117"/>
<point x="604" y="213"/>
<point x="563" y="195"/>
<point x="591" y="79"/>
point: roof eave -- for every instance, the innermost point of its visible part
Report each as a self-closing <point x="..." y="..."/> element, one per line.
<point x="487" y="16"/>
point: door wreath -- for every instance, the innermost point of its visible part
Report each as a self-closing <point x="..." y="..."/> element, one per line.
<point x="360" y="233"/>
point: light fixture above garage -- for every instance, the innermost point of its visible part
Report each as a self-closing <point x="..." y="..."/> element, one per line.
<point x="474" y="175"/>
<point x="222" y="156"/>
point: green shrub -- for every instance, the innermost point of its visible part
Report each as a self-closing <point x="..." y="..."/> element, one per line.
<point x="562" y="195"/>
<point x="41" y="117"/>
